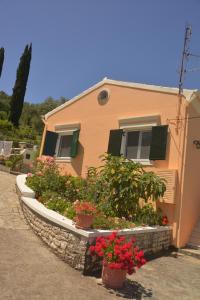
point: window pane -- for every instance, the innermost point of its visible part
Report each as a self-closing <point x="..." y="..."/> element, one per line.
<point x="132" y="144"/>
<point x="65" y="146"/>
<point x="145" y="145"/>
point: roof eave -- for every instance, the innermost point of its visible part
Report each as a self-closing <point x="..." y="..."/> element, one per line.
<point x="186" y="93"/>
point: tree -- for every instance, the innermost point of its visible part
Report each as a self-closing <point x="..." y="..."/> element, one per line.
<point x="1" y="59"/>
<point x="19" y="90"/>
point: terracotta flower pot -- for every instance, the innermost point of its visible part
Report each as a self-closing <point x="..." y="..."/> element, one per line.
<point x="113" y="278"/>
<point x="84" y="221"/>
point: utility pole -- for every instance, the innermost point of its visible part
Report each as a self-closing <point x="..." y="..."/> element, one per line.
<point x="184" y="58"/>
<point x="185" y="55"/>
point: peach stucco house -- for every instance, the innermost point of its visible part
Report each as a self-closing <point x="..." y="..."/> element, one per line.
<point x="150" y="124"/>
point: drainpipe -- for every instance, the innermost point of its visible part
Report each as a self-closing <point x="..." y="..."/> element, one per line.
<point x="43" y="135"/>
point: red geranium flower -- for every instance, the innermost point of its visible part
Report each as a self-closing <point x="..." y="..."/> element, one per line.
<point x="118" y="253"/>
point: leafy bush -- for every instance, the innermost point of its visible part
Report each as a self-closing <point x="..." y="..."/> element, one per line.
<point x="14" y="162"/>
<point x="103" y="222"/>
<point x="147" y="215"/>
<point x="58" y="204"/>
<point x="121" y="183"/>
<point x="115" y="188"/>
<point x="46" y="177"/>
<point x="75" y="188"/>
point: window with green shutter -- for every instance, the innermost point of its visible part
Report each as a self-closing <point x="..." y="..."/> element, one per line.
<point x="158" y="142"/>
<point x="50" y="143"/>
<point x="145" y="144"/>
<point x="115" y="140"/>
<point x="74" y="143"/>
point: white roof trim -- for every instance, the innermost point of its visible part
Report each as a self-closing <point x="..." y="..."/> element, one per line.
<point x="169" y="90"/>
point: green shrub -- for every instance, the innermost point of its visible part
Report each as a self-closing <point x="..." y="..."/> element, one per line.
<point x="47" y="178"/>
<point x="58" y="203"/>
<point x="147" y="215"/>
<point x="103" y="222"/>
<point x="14" y="162"/>
<point x="120" y="183"/>
<point x="115" y="188"/>
<point x="75" y="188"/>
<point x="69" y="211"/>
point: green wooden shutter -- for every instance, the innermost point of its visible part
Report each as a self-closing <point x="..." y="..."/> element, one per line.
<point x="74" y="144"/>
<point x="50" y="143"/>
<point x="158" y="142"/>
<point x="115" y="140"/>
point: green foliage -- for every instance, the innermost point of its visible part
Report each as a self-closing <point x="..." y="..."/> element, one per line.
<point x="103" y="222"/>
<point x="1" y="59"/>
<point x="17" y="99"/>
<point x="58" y="203"/>
<point x="31" y="114"/>
<point x="31" y="125"/>
<point x="14" y="162"/>
<point x="120" y="183"/>
<point x="75" y="188"/>
<point x="4" y="104"/>
<point x="5" y="126"/>
<point x="9" y="132"/>
<point x="46" y="177"/>
<point x="3" y="115"/>
<point x="147" y="215"/>
<point x="116" y="188"/>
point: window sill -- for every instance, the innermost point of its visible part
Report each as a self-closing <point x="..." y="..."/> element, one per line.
<point x="144" y="162"/>
<point x="63" y="159"/>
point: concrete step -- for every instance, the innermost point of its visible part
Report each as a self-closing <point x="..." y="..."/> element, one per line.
<point x="190" y="252"/>
<point x="193" y="246"/>
<point x="195" y="236"/>
<point x="194" y="242"/>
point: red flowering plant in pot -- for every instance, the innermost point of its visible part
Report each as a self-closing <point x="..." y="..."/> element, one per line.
<point x="85" y="212"/>
<point x="119" y="258"/>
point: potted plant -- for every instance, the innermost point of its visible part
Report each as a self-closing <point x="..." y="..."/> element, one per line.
<point x="119" y="258"/>
<point x="85" y="212"/>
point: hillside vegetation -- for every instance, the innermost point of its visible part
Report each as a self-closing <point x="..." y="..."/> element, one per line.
<point x="31" y="125"/>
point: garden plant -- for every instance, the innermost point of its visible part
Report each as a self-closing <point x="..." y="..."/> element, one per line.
<point x="120" y="256"/>
<point x="115" y="191"/>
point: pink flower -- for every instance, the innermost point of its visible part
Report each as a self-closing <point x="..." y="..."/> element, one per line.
<point x="29" y="175"/>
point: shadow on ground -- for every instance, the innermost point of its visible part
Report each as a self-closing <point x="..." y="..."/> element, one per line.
<point x="132" y="290"/>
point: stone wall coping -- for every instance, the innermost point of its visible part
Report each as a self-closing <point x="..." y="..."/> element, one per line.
<point x="60" y="220"/>
<point x="23" y="188"/>
<point x="64" y="222"/>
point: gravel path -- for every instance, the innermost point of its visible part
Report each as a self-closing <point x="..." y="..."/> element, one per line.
<point x="29" y="270"/>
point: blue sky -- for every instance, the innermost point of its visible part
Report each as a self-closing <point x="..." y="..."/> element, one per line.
<point x="78" y="42"/>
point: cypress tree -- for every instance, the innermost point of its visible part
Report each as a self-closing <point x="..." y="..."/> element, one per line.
<point x="1" y="59"/>
<point x="19" y="90"/>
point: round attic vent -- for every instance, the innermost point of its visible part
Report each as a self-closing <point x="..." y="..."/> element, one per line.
<point x="103" y="97"/>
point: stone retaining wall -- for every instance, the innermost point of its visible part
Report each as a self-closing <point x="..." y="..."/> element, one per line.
<point x="69" y="246"/>
<point x="73" y="248"/>
<point x="72" y="244"/>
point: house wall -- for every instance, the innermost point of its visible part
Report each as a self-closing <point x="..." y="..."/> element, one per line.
<point x="96" y="121"/>
<point x="190" y="197"/>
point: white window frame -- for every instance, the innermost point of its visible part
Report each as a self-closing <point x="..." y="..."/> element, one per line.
<point x="124" y="144"/>
<point x="64" y="129"/>
<point x="60" y="134"/>
<point x="144" y="123"/>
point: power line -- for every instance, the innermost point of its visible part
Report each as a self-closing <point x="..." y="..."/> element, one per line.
<point x="194" y="55"/>
<point x="181" y="119"/>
